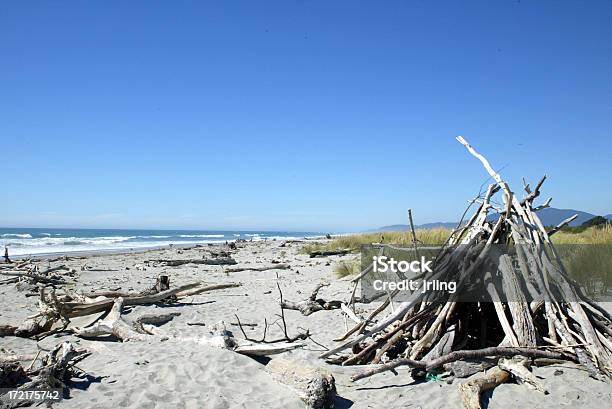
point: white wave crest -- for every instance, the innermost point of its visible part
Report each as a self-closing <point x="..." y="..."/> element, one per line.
<point x="200" y="235"/>
<point x="17" y="236"/>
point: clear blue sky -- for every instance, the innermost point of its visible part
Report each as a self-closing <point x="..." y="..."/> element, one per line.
<point x="311" y="115"/>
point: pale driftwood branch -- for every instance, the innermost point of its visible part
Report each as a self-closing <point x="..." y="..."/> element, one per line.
<point x="536" y="192"/>
<point x="562" y="225"/>
<point x="349" y="313"/>
<point x="470" y="392"/>
<point x="206" y="288"/>
<point x="544" y="205"/>
<point x="114" y="325"/>
<point x="71" y="309"/>
<point x="518" y="367"/>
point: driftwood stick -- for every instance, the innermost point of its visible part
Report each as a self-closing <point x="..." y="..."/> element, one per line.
<point x="206" y="288"/>
<point x="561" y="225"/>
<point x="518" y="367"/>
<point x="543" y="205"/>
<point x="536" y="192"/>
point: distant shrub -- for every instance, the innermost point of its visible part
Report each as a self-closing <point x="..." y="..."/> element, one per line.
<point x="597" y="221"/>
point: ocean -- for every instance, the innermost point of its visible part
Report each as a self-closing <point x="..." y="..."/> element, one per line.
<point x="40" y="241"/>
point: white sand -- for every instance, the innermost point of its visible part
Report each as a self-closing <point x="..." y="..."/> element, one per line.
<point x="171" y="374"/>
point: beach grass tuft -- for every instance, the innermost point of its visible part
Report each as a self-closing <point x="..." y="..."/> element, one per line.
<point x="346" y="268"/>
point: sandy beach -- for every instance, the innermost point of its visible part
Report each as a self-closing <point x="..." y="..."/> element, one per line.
<point x="170" y="373"/>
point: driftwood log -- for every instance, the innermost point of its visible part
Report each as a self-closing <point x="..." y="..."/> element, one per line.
<point x="221" y="261"/>
<point x="279" y="266"/>
<point x="326" y="253"/>
<point x="114" y="325"/>
<point x="34" y="277"/>
<point x="470" y="391"/>
<point x="72" y="309"/>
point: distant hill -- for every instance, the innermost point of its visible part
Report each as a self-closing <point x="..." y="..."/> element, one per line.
<point x="550" y="217"/>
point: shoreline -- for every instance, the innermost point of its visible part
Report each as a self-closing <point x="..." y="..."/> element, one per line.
<point x="180" y="245"/>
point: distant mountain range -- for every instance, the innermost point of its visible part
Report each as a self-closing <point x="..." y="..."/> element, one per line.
<point x="550" y="217"/>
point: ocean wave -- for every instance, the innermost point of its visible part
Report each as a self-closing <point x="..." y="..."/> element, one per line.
<point x="54" y="243"/>
<point x="201" y="235"/>
<point x="13" y="244"/>
<point x="17" y="236"/>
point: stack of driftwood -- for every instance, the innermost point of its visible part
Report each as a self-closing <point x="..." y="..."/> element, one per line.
<point x="544" y="315"/>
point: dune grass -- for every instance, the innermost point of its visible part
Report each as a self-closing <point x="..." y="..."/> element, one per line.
<point x="592" y="235"/>
<point x="346" y="268"/>
<point x="437" y="236"/>
<point x="587" y="257"/>
<point x="588" y="264"/>
<point x="353" y="242"/>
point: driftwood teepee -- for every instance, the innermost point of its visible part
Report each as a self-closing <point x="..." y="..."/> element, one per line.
<point x="545" y="313"/>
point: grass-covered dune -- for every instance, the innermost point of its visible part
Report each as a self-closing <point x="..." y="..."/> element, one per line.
<point x="592" y="235"/>
<point x="437" y="236"/>
<point x="353" y="242"/>
<point x="601" y="235"/>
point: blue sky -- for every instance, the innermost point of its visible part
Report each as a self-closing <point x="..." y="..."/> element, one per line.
<point x="308" y="115"/>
